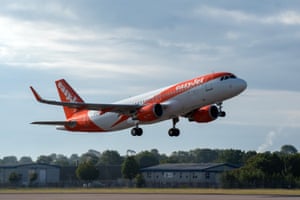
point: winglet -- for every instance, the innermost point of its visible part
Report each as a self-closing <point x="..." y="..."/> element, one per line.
<point x="36" y="95"/>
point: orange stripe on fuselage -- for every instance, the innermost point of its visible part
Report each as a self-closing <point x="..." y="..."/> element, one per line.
<point x="83" y="123"/>
<point x="183" y="87"/>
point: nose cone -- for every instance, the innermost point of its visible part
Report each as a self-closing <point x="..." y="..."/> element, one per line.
<point x="241" y="85"/>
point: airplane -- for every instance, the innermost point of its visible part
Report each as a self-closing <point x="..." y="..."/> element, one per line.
<point x="199" y="100"/>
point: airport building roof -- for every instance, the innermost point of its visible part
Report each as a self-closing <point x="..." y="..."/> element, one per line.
<point x="190" y="167"/>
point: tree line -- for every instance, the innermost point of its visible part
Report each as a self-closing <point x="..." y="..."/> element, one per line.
<point x="148" y="158"/>
<point x="266" y="170"/>
<point x="280" y="169"/>
<point x="145" y="158"/>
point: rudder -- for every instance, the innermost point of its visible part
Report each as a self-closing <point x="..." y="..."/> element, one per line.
<point x="67" y="94"/>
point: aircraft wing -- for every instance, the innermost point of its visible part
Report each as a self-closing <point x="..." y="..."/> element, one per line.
<point x="118" y="108"/>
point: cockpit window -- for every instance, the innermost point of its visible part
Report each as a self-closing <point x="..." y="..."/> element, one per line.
<point x="227" y="77"/>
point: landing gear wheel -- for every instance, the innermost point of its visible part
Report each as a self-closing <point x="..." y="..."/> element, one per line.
<point x="139" y="132"/>
<point x="136" y="131"/>
<point x="133" y="132"/>
<point x="174" y="132"/>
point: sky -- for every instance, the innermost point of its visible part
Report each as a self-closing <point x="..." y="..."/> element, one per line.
<point x="110" y="50"/>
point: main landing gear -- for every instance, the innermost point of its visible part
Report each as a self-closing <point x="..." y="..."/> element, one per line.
<point x="174" y="132"/>
<point x="136" y="131"/>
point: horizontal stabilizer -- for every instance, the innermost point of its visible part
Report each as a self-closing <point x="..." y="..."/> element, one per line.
<point x="56" y="123"/>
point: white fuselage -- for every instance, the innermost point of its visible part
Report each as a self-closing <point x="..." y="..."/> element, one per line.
<point x="211" y="92"/>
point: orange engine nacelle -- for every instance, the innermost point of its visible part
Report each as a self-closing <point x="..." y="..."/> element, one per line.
<point x="205" y="114"/>
<point x="150" y="112"/>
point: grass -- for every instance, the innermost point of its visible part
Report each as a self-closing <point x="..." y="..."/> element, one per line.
<point x="283" y="192"/>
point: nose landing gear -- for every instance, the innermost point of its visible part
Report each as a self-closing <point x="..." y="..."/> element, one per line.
<point x="174" y="132"/>
<point x="221" y="112"/>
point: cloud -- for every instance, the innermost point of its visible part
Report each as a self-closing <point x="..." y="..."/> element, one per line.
<point x="93" y="44"/>
<point x="220" y="13"/>
<point x="289" y="121"/>
<point x="270" y="107"/>
<point x="268" y="142"/>
<point x="39" y="11"/>
<point x="44" y="46"/>
<point x="285" y="17"/>
<point x="288" y="17"/>
<point x="231" y="35"/>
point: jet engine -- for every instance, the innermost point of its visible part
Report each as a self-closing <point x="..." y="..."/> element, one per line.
<point x="150" y="112"/>
<point x="205" y="114"/>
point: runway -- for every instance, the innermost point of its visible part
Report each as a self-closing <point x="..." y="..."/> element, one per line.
<point x="58" y="196"/>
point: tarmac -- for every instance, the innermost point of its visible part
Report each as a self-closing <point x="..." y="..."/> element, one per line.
<point x="58" y="196"/>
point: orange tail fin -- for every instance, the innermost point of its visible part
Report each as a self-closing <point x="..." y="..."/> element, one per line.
<point x="67" y="94"/>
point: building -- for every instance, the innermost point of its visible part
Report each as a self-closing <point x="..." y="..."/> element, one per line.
<point x="185" y="175"/>
<point x="109" y="175"/>
<point x="30" y="175"/>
